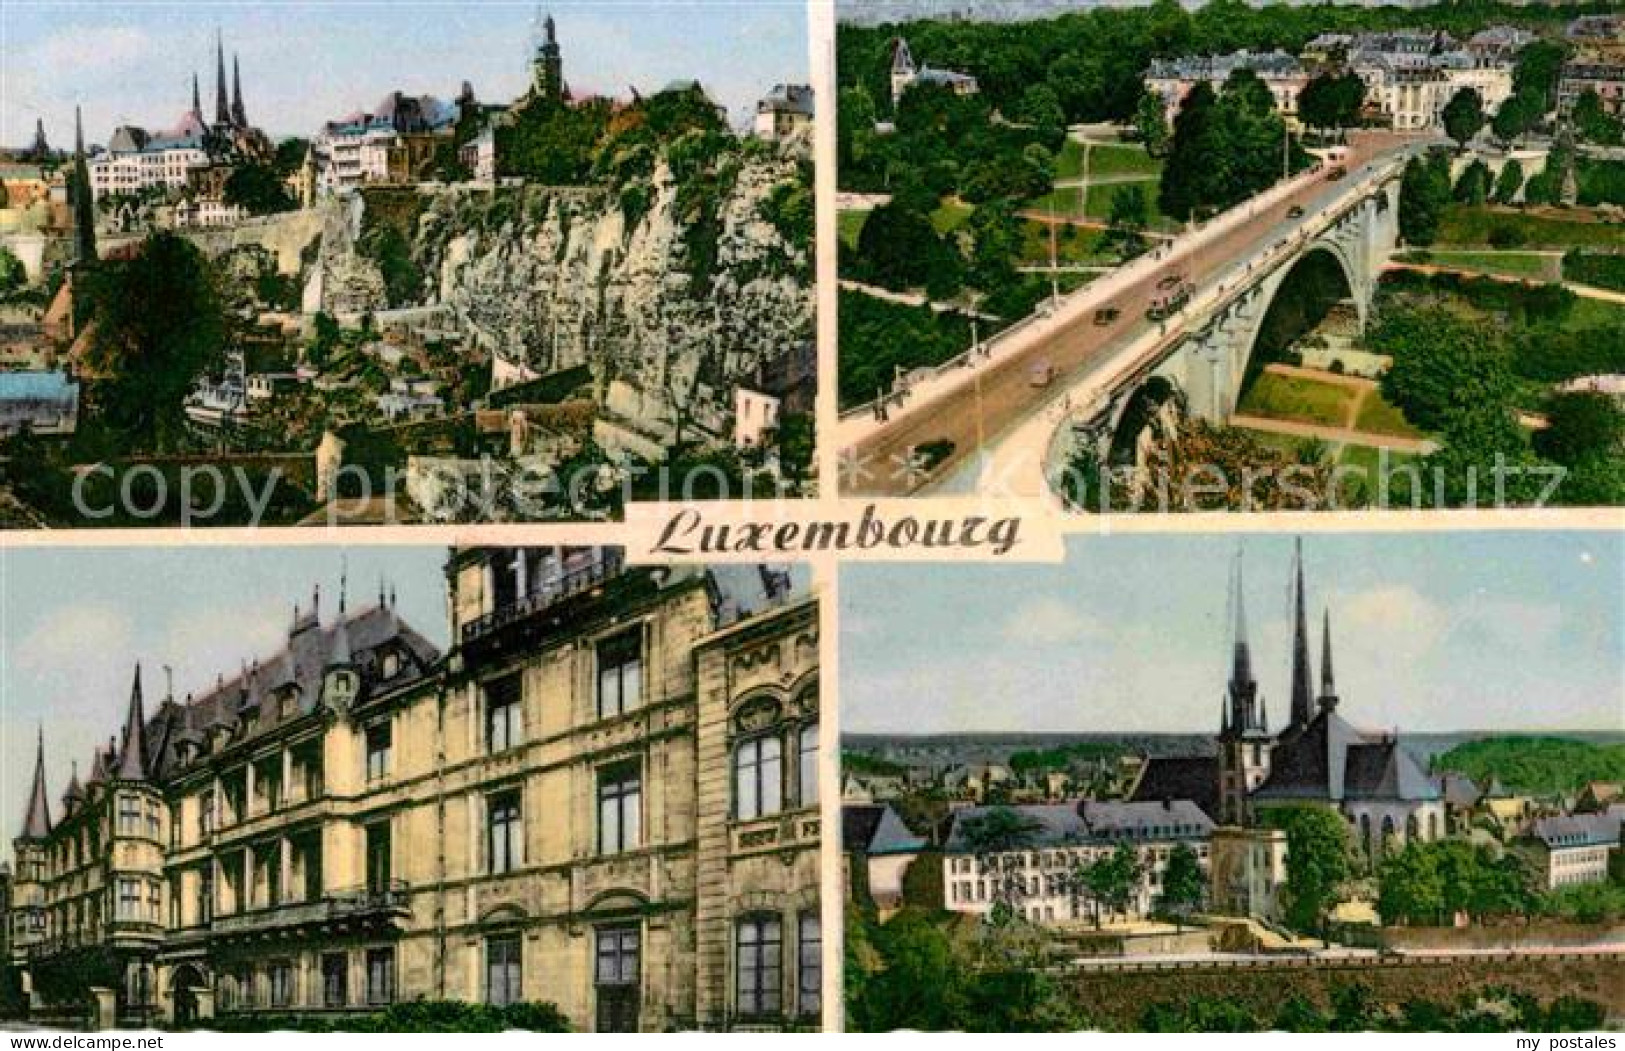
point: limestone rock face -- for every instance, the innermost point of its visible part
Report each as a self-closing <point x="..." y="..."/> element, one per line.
<point x="671" y="296"/>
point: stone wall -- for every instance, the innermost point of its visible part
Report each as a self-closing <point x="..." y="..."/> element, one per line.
<point x="1118" y="998"/>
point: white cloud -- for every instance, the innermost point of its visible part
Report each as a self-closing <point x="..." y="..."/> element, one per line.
<point x="1045" y="620"/>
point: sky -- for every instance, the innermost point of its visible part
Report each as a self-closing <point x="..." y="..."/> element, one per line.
<point x="1431" y="631"/>
<point x="304" y="63"/>
<point x="73" y="621"/>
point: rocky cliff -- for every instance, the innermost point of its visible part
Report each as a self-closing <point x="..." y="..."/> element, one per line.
<point x="672" y="288"/>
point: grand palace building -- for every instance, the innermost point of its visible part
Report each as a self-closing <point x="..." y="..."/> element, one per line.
<point x="602" y="795"/>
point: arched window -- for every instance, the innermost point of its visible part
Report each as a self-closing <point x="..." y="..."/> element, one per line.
<point x="1413" y="829"/>
<point x="1365" y="834"/>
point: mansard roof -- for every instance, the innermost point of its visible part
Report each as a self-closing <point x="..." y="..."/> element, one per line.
<point x="299" y="666"/>
<point x="1091" y="823"/>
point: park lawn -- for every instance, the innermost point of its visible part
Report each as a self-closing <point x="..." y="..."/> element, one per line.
<point x="1369" y="463"/>
<point x="1473" y="224"/>
<point x="1380" y="416"/>
<point x="1079" y="247"/>
<point x="850" y="225"/>
<point x="1105" y="159"/>
<point x="950" y="216"/>
<point x="1530" y="265"/>
<point x="1277" y="397"/>
<point x="1594" y="313"/>
<point x="1286" y="444"/>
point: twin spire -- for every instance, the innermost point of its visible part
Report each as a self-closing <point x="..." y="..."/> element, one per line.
<point x="1244" y="710"/>
<point x="228" y="112"/>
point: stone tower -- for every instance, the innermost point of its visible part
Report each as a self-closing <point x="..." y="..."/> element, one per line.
<point x="548" y="69"/>
<point x="84" y="204"/>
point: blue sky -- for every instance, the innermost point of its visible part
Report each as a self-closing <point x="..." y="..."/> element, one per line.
<point x="303" y="63"/>
<point x="74" y="620"/>
<point x="1431" y="631"/>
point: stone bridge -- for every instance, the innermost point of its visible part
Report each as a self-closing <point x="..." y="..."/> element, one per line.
<point x="1198" y="365"/>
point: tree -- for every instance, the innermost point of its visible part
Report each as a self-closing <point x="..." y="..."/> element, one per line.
<point x="290" y="156"/>
<point x="995" y="832"/>
<point x="1594" y="123"/>
<point x="1508" y="182"/>
<point x="1332" y="101"/>
<point x="1582" y="424"/>
<point x="1151" y="121"/>
<point x="1113" y="880"/>
<point x="258" y="189"/>
<point x="1473" y="187"/>
<point x="1441" y="365"/>
<point x="12" y="274"/>
<point x="1317" y="862"/>
<point x="159" y="324"/>
<point x="1424" y="190"/>
<point x="1183" y="884"/>
<point x="1041" y="107"/>
<point x="1515" y="116"/>
<point x="1463" y="116"/>
<point x="1193" y="177"/>
<point x="900" y="249"/>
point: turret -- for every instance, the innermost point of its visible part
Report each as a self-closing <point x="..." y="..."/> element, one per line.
<point x="1328" y="688"/>
<point x="132" y="760"/>
<point x="37" y="818"/>
<point x="340" y="682"/>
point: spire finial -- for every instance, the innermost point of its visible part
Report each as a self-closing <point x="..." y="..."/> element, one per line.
<point x="1328" y="684"/>
<point x="197" y="99"/>
<point x="1301" y="675"/>
<point x="222" y="109"/>
<point x="37" y="820"/>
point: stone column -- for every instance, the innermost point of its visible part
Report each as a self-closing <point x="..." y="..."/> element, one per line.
<point x="104" y="1008"/>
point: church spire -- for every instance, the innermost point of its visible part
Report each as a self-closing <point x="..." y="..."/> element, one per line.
<point x="1301" y="682"/>
<point x="84" y="208"/>
<point x="222" y="110"/>
<point x="239" y="116"/>
<point x="132" y="762"/>
<point x="197" y="100"/>
<point x="1244" y="714"/>
<point x="1328" y="686"/>
<point x="37" y="821"/>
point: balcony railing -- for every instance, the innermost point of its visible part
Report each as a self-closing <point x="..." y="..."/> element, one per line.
<point x="354" y="903"/>
<point x="549" y="594"/>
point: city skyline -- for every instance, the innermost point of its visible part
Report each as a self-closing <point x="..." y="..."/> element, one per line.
<point x="1432" y="632"/>
<point x="303" y="64"/>
<point x="74" y="622"/>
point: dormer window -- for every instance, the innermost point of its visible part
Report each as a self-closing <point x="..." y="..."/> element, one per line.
<point x="288" y="702"/>
<point x="390" y="663"/>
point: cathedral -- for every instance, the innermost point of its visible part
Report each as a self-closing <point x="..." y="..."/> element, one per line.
<point x="1318" y="757"/>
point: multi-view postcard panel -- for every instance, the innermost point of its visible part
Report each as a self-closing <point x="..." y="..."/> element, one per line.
<point x="1219" y="259"/>
<point x="1189" y="783"/>
<point x="498" y="275"/>
<point x="538" y="787"/>
<point x="498" y="265"/>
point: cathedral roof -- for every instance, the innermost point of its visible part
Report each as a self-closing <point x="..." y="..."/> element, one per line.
<point x="1331" y="760"/>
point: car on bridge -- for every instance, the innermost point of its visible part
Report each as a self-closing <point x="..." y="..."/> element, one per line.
<point x="1295" y="212"/>
<point x="1107" y="315"/>
<point x="1042" y="374"/>
<point x="1170" y="295"/>
<point x="1336" y="173"/>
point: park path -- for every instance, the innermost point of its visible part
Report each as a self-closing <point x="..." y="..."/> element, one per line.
<point x="911" y="299"/>
<point x="1343" y="435"/>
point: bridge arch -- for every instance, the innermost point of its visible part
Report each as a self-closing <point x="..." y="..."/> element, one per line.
<point x="1154" y="408"/>
<point x="1293" y="303"/>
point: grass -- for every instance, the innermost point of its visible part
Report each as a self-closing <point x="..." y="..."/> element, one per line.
<point x="1594" y="313"/>
<point x="1073" y="245"/>
<point x="950" y="216"/>
<point x="1380" y="416"/>
<point x="1531" y="265"/>
<point x="1105" y="159"/>
<point x="1473" y="225"/>
<point x="1279" y="397"/>
<point x="850" y="225"/>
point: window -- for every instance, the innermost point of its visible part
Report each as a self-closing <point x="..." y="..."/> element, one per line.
<point x="620" y="802"/>
<point x="807" y="766"/>
<point x="335" y="979"/>
<point x="504" y="846"/>
<point x="615" y="979"/>
<point x="502" y="710"/>
<point x="379" y="740"/>
<point x="502" y="970"/>
<point x="620" y="673"/>
<point x="153" y="824"/>
<point x="757" y="778"/>
<point x="380" y="976"/>
<point x="155" y="909"/>
<point x="129" y="815"/>
<point x="809" y="965"/>
<point x="756" y="956"/>
<point x="129" y="899"/>
<point x="281" y="984"/>
<point x="205" y="895"/>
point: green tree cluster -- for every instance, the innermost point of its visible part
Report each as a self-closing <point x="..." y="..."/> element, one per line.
<point x="1317" y="862"/>
<point x="1332" y="100"/>
<point x="1537" y="765"/>
<point x="1227" y="146"/>
<point x="1429" y="884"/>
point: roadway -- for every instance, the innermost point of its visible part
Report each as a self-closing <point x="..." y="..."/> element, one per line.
<point x="982" y="402"/>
